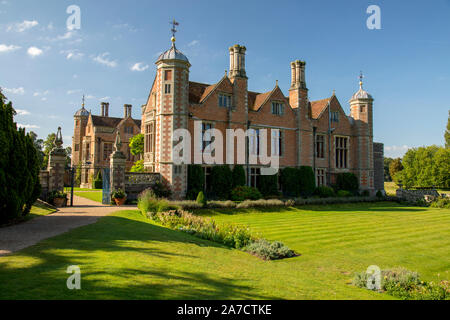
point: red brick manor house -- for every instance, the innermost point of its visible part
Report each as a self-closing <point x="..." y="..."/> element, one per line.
<point x="311" y="133"/>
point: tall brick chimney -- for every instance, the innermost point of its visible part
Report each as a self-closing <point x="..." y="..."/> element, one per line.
<point x="237" y="61"/>
<point x="298" y="79"/>
<point x="105" y="109"/>
<point x="127" y="110"/>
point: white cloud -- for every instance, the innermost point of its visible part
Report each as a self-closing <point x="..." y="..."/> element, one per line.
<point x="139" y="67"/>
<point x="22" y="26"/>
<point x="89" y="96"/>
<point x="28" y="126"/>
<point x="38" y="93"/>
<point x="125" y="26"/>
<point x="21" y="112"/>
<point x="20" y="90"/>
<point x="34" y="52"/>
<point x="5" y="48"/>
<point x="72" y="54"/>
<point x="73" y="91"/>
<point x="50" y="26"/>
<point x="193" y="43"/>
<point x="395" y="151"/>
<point x="103" y="59"/>
<point x="104" y="98"/>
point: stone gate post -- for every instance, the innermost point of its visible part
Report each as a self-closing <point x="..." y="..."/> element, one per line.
<point x="117" y="165"/>
<point x="56" y="164"/>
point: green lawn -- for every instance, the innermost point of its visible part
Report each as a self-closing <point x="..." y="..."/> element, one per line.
<point x="91" y="195"/>
<point x="125" y="256"/>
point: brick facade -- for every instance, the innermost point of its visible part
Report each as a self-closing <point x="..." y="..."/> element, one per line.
<point x="313" y="133"/>
<point x="93" y="140"/>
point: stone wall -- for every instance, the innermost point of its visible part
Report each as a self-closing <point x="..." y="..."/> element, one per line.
<point x="414" y="195"/>
<point x="135" y="183"/>
<point x="43" y="178"/>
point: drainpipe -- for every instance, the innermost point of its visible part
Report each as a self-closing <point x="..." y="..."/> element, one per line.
<point x="247" y="153"/>
<point x="314" y="149"/>
<point x="329" y="146"/>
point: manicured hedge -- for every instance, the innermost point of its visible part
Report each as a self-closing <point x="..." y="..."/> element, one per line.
<point x="238" y="176"/>
<point x="221" y="181"/>
<point x="196" y="181"/>
<point x="307" y="181"/>
<point x="298" y="181"/>
<point x="268" y="185"/>
<point x="347" y="181"/>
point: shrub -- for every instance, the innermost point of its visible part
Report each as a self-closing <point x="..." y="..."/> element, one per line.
<point x="262" y="203"/>
<point x="307" y="181"/>
<point x="118" y="194"/>
<point x="405" y="284"/>
<point x="242" y="193"/>
<point x="268" y="185"/>
<point x="187" y="204"/>
<point x="162" y="190"/>
<point x="55" y="194"/>
<point x="221" y="181"/>
<point x="290" y="182"/>
<point x="221" y="204"/>
<point x="365" y="193"/>
<point x="196" y="181"/>
<point x="138" y="166"/>
<point x="148" y="202"/>
<point x="344" y="194"/>
<point x="231" y="235"/>
<point x="269" y="250"/>
<point x="324" y="192"/>
<point x="238" y="176"/>
<point x="441" y="203"/>
<point x="347" y="181"/>
<point x="379" y="194"/>
<point x="201" y="199"/>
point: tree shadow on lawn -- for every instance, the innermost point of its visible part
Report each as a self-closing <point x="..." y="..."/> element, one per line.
<point x="363" y="207"/>
<point x="111" y="239"/>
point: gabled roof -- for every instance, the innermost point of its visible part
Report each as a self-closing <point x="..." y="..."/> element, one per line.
<point x="110" y="122"/>
<point x="196" y="90"/>
<point x="317" y="107"/>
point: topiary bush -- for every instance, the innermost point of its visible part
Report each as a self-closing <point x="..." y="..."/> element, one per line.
<point x="238" y="176"/>
<point x="307" y="181"/>
<point x="201" y="199"/>
<point x="324" y="192"/>
<point x="221" y="181"/>
<point x="290" y="182"/>
<point x="347" y="181"/>
<point x="242" y="193"/>
<point x="196" y="181"/>
<point x="268" y="185"/>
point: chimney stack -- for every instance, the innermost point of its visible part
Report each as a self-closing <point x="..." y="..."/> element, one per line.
<point x="298" y="74"/>
<point x="237" y="61"/>
<point x="105" y="109"/>
<point x="127" y="110"/>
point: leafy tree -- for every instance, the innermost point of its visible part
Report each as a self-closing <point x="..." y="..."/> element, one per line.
<point x="136" y="145"/>
<point x="395" y="166"/>
<point x="48" y="146"/>
<point x="38" y="144"/>
<point x="447" y="132"/>
<point x="387" y="176"/>
<point x="19" y="166"/>
<point x="68" y="156"/>
<point x="138" y="166"/>
<point x="441" y="168"/>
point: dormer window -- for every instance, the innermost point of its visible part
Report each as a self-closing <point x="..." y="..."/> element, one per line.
<point x="277" y="108"/>
<point x="224" y="100"/>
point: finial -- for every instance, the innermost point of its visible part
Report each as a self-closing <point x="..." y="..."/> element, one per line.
<point x="334" y="92"/>
<point x="276" y="83"/>
<point x="82" y="104"/>
<point x="226" y="72"/>
<point x="361" y="76"/>
<point x="174" y="30"/>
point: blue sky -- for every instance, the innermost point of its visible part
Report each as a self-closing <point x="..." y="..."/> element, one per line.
<point x="45" y="69"/>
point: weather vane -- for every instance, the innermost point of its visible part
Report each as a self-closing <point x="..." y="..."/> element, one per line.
<point x="82" y="101"/>
<point x="361" y="76"/>
<point x="174" y="27"/>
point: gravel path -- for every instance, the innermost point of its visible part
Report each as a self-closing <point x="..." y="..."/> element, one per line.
<point x="23" y="235"/>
